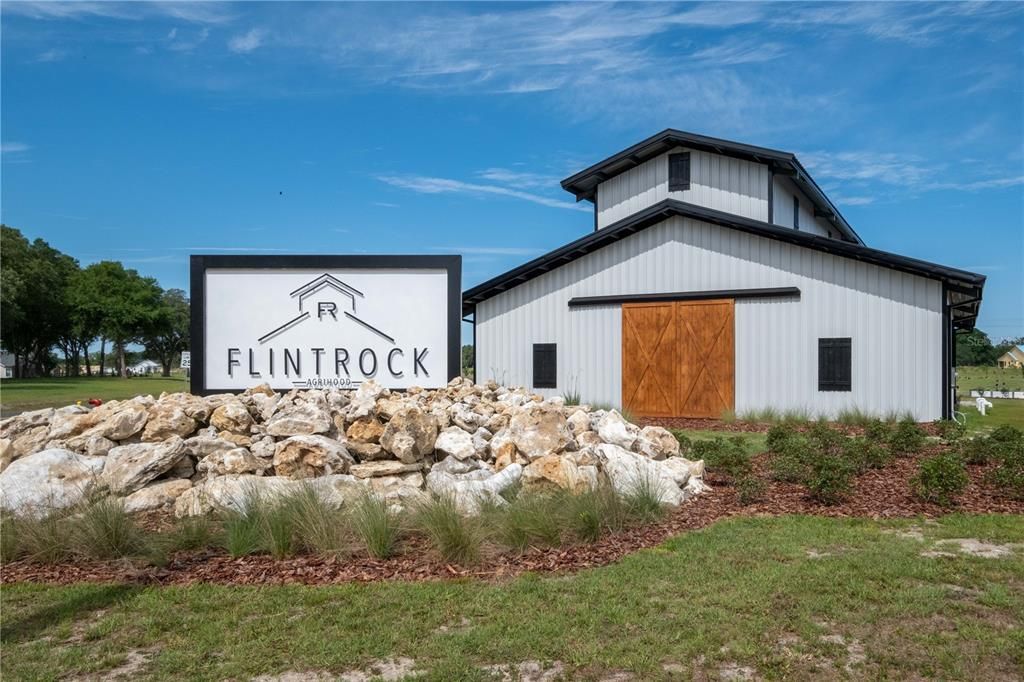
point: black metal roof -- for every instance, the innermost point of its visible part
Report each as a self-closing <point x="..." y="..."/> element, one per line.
<point x="968" y="285"/>
<point x="584" y="184"/>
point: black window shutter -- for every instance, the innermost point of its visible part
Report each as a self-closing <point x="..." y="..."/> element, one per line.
<point x="835" y="364"/>
<point x="678" y="172"/>
<point x="545" y="365"/>
<point x="796" y="212"/>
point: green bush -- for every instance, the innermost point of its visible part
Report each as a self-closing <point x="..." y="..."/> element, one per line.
<point x="728" y="457"/>
<point x="456" y="537"/>
<point x="790" y="461"/>
<point x="1006" y="434"/>
<point x="750" y="489"/>
<point x="865" y="454"/>
<point x="685" y="444"/>
<point x="826" y="439"/>
<point x="940" y="479"/>
<point x="1009" y="456"/>
<point x="906" y="438"/>
<point x="375" y="524"/>
<point x="950" y="430"/>
<point x="829" y="478"/>
<point x="877" y="431"/>
<point x="104" y="530"/>
<point x="779" y="435"/>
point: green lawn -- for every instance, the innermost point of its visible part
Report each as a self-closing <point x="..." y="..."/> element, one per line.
<point x="17" y="395"/>
<point x="1003" y="412"/>
<point x="989" y="378"/>
<point x="789" y="597"/>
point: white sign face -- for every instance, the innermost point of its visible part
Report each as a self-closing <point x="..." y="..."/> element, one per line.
<point x="186" y="360"/>
<point x="321" y="328"/>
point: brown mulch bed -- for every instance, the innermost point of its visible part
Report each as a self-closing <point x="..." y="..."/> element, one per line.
<point x="687" y="423"/>
<point x="877" y="494"/>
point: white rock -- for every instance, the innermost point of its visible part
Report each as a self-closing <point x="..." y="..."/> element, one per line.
<point x="383" y="468"/>
<point x="311" y="456"/>
<point x="538" y="432"/>
<point x="155" y="496"/>
<point x="578" y="422"/>
<point x="235" y="492"/>
<point x="301" y="419"/>
<point x="628" y="472"/>
<point x="612" y="428"/>
<point x="119" y="423"/>
<point x="456" y="443"/>
<point x="234" y="461"/>
<point x="655" y="442"/>
<point x="167" y="420"/>
<point x="129" y="467"/>
<point x="410" y="435"/>
<point x="469" y="493"/>
<point x="52" y="479"/>
<point x="232" y="416"/>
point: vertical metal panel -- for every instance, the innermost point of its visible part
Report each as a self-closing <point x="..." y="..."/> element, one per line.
<point x="782" y="203"/>
<point x="894" y="319"/>
<point x="716" y="181"/>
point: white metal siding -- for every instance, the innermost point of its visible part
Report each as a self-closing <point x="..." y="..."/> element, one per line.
<point x="782" y="209"/>
<point x="893" y="318"/>
<point x="716" y="181"/>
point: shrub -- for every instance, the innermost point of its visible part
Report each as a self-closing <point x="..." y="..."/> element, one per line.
<point x="877" y="431"/>
<point x="376" y="525"/>
<point x="1006" y="434"/>
<point x="1009" y="474"/>
<point x="320" y="527"/>
<point x="532" y="518"/>
<point x="778" y="436"/>
<point x="950" y="430"/>
<point x="791" y="459"/>
<point x="828" y="478"/>
<point x="104" y="530"/>
<point x="826" y="439"/>
<point x="685" y="444"/>
<point x="456" y="537"/>
<point x="750" y="489"/>
<point x="866" y="454"/>
<point x="940" y="479"/>
<point x="728" y="457"/>
<point x="906" y="438"/>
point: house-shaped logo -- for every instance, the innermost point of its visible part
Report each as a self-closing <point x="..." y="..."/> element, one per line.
<point x="325" y="299"/>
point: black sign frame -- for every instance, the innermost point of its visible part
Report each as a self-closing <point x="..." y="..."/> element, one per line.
<point x="200" y="263"/>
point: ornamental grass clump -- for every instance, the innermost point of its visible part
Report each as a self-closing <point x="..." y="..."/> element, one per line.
<point x="644" y="500"/>
<point x="104" y="530"/>
<point x="591" y="513"/>
<point x="456" y="537"/>
<point x="940" y="479"/>
<point x="43" y="539"/>
<point x="376" y="525"/>
<point x="319" y="526"/>
<point x="244" y="527"/>
<point x="531" y="519"/>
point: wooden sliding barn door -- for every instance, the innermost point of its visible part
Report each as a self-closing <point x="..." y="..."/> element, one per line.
<point x="678" y="358"/>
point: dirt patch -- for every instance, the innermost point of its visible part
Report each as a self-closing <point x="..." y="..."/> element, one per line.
<point x="384" y="670"/>
<point x="135" y="663"/>
<point x="463" y="625"/>
<point x="527" y="671"/>
<point x="735" y="672"/>
<point x="854" y="651"/>
<point x="972" y="547"/>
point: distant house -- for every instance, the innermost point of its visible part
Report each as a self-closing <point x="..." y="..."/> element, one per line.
<point x="144" y="367"/>
<point x="6" y="365"/>
<point x="1012" y="358"/>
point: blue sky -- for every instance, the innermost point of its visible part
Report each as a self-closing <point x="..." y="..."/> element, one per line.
<point x="144" y="132"/>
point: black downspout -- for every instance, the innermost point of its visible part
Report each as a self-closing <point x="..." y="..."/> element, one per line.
<point x="771" y="195"/>
<point x="476" y="377"/>
<point x="595" y="227"/>
<point x="947" y="338"/>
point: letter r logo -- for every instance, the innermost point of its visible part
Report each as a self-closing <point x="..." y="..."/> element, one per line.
<point x="327" y="307"/>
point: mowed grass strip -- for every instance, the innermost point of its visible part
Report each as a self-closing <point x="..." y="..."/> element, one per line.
<point x="17" y="395"/>
<point x="789" y="597"/>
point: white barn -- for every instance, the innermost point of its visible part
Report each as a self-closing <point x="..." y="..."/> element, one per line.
<point x="720" y="278"/>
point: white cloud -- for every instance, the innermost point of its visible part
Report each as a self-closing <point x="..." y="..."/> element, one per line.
<point x="520" y="179"/>
<point x="14" y="147"/>
<point x="430" y="185"/>
<point x="193" y="12"/>
<point x="247" y="42"/>
<point x="187" y="43"/>
<point x="885" y="167"/>
<point x="51" y="55"/>
<point x="740" y="52"/>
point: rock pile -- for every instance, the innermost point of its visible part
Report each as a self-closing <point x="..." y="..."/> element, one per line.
<point x="197" y="454"/>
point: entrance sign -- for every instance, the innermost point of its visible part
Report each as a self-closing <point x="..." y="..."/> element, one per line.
<point x="324" y="321"/>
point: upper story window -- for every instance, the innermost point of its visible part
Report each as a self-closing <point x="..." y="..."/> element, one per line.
<point x="678" y="172"/>
<point x="796" y="212"/>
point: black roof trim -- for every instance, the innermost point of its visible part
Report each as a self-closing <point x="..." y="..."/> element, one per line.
<point x="583" y="185"/>
<point x="652" y="215"/>
<point x="615" y="299"/>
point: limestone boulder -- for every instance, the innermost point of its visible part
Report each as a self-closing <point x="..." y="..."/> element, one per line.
<point x="234" y="461"/>
<point x="6" y="453"/>
<point x="410" y="435"/>
<point x="232" y="416"/>
<point x="364" y="400"/>
<point x="156" y="496"/>
<point x="33" y="439"/>
<point x="539" y="432"/>
<point x="470" y="490"/>
<point x="629" y="472"/>
<point x="130" y="467"/>
<point x="507" y="454"/>
<point x="12" y="427"/>
<point x="683" y="469"/>
<point x="235" y="493"/>
<point x="655" y="442"/>
<point x="612" y="428"/>
<point x="556" y="472"/>
<point x="194" y="406"/>
<point x="40" y="483"/>
<point x="121" y="421"/>
<point x="310" y="456"/>
<point x="298" y="420"/>
<point x="72" y="420"/>
<point x="578" y="422"/>
<point x="383" y="468"/>
<point x="166" y="420"/>
<point x="366" y="452"/>
<point x="206" y="445"/>
<point x="454" y="442"/>
<point x="482" y="442"/>
<point x="365" y="430"/>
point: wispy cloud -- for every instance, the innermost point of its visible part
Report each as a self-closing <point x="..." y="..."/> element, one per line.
<point x="13" y="147"/>
<point x="740" y="51"/>
<point x="520" y="179"/>
<point x="187" y="43"/>
<point x="192" y="12"/>
<point x="885" y="167"/>
<point x="240" y="249"/>
<point x="432" y="185"/>
<point x="248" y="41"/>
<point x="489" y="250"/>
<point x="51" y="55"/>
<point x="385" y="204"/>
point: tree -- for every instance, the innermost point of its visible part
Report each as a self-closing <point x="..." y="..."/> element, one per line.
<point x="124" y="303"/>
<point x="974" y="348"/>
<point x="169" y="332"/>
<point x="468" y="353"/>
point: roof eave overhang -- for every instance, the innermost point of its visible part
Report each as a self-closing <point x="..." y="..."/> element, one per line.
<point x="583" y="185"/>
<point x="968" y="284"/>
